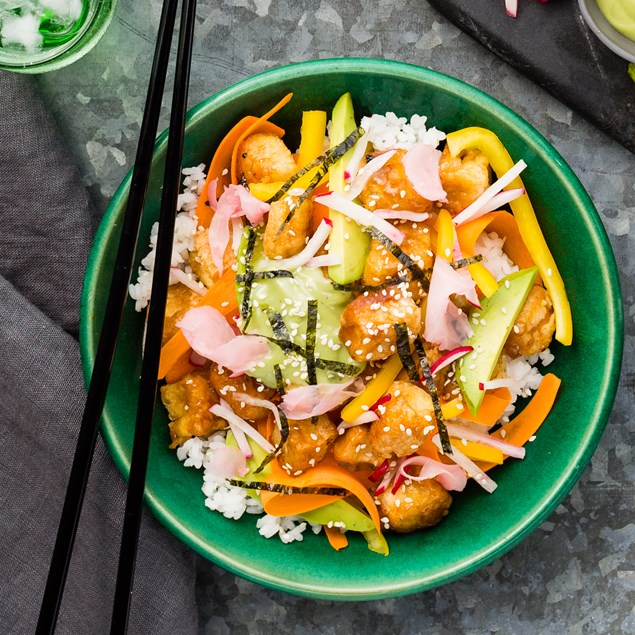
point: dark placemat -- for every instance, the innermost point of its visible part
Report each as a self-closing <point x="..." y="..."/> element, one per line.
<point x="552" y="45"/>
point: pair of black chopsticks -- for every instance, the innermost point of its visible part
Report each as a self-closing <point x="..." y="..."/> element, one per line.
<point x="112" y="319"/>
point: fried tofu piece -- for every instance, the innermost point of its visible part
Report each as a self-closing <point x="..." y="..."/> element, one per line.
<point x="366" y="324"/>
<point x="264" y="158"/>
<point x="415" y="505"/>
<point x="389" y="188"/>
<point x="381" y="265"/>
<point x="294" y="236"/>
<point x="188" y="402"/>
<point x="535" y="325"/>
<point x="226" y="387"/>
<point x="407" y="419"/>
<point x="354" y="447"/>
<point x="464" y="178"/>
<point x="201" y="258"/>
<point x="179" y="301"/>
<point x="308" y="443"/>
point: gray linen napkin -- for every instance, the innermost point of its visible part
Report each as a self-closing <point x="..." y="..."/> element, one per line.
<point x="44" y="241"/>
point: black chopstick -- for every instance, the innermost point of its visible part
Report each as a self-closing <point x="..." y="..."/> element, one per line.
<point x="154" y="332"/>
<point x="98" y="387"/>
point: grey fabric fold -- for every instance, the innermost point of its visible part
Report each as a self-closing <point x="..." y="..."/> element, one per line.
<point x="45" y="237"/>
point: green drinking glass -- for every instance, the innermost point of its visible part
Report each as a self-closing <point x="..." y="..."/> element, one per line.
<point x="38" y="36"/>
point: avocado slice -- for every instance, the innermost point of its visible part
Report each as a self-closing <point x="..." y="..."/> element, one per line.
<point x="347" y="239"/>
<point x="492" y="325"/>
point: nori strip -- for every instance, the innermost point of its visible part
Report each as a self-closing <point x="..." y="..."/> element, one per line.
<point x="263" y="275"/>
<point x="324" y="161"/>
<point x="403" y="349"/>
<point x="245" y="307"/>
<point x="432" y="389"/>
<point x="466" y="262"/>
<point x="311" y="332"/>
<point x="423" y="275"/>
<point x="329" y="158"/>
<point x="284" y="424"/>
<point x="356" y="287"/>
<point x="287" y="489"/>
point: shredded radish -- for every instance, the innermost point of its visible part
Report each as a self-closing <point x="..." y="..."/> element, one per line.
<point x="452" y="477"/>
<point x="357" y="154"/>
<point x="375" y="476"/>
<point x="208" y="333"/>
<point x="325" y="260"/>
<point x="445" y="324"/>
<point x="511" y="7"/>
<point x="224" y="411"/>
<point x="469" y="466"/>
<point x="470" y="435"/>
<point x="493" y="384"/>
<point x="449" y="358"/>
<point x="360" y="215"/>
<point x="401" y="214"/>
<point x="474" y="210"/>
<point x="260" y="403"/>
<point x="421" y="164"/>
<point x="386" y="481"/>
<point x="228" y="461"/>
<point x="363" y="175"/>
<point x="312" y="247"/>
<point x="178" y="275"/>
<point x="305" y="402"/>
<point x="197" y="360"/>
<point x="366" y="417"/>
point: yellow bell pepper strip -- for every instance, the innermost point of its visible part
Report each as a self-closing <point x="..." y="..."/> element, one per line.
<point x="312" y="133"/>
<point x="445" y="235"/>
<point x="265" y="191"/>
<point x="500" y="160"/>
<point x="478" y="451"/>
<point x="375" y="389"/>
<point x="524" y="426"/>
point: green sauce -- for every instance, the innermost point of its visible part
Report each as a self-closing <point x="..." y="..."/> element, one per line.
<point x="289" y="297"/>
<point x="620" y="15"/>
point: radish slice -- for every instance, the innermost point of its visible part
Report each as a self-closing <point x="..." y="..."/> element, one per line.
<point x="237" y="233"/>
<point x="460" y="432"/>
<point x="401" y="214"/>
<point x="260" y="403"/>
<point x="360" y="215"/>
<point x="493" y="384"/>
<point x="421" y="164"/>
<point x="366" y="417"/>
<point x="197" y="360"/>
<point x="474" y="210"/>
<point x="469" y="466"/>
<point x="386" y="481"/>
<point x="305" y="402"/>
<point x="312" y="247"/>
<point x="363" y="175"/>
<point x="379" y="472"/>
<point x="178" y="275"/>
<point x="450" y="358"/>
<point x="326" y="260"/>
<point x="452" y="477"/>
<point x="357" y="154"/>
<point x="228" y="461"/>
<point x="223" y="410"/>
<point x="511" y="7"/>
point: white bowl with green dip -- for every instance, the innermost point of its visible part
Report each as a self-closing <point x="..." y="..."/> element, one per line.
<point x="613" y="22"/>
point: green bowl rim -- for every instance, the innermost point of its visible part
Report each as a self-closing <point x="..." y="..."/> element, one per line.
<point x="610" y="281"/>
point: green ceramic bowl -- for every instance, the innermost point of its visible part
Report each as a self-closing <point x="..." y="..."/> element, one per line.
<point x="480" y="527"/>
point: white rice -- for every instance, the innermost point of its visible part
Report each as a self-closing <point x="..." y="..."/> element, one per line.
<point x="184" y="229"/>
<point x="490" y="246"/>
<point x="233" y="502"/>
<point x="389" y="131"/>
